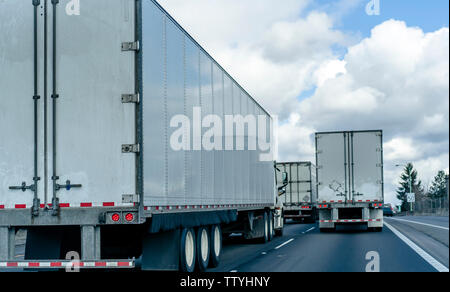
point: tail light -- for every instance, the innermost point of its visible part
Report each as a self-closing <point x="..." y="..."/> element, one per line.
<point x="115" y="217"/>
<point x="129" y="217"/>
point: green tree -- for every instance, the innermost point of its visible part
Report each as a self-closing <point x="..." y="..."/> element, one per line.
<point x="416" y="185"/>
<point x="438" y="188"/>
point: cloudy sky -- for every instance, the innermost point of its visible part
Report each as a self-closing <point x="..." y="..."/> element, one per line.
<point x="327" y="65"/>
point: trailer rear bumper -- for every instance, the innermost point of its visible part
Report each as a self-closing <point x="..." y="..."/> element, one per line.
<point x="329" y="218"/>
<point x="52" y="264"/>
<point x="297" y="216"/>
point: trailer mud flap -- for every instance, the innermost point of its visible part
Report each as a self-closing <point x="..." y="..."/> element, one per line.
<point x="165" y="222"/>
<point x="160" y="251"/>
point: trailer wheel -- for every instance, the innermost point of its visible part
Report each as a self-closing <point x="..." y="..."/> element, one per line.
<point x="271" y="232"/>
<point x="266" y="227"/>
<point x="203" y="248"/>
<point x="327" y="230"/>
<point x="279" y="232"/>
<point x="187" y="250"/>
<point x="376" y="229"/>
<point x="216" y="246"/>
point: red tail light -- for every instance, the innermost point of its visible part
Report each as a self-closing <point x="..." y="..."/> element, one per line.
<point x="115" y="217"/>
<point x="129" y="217"/>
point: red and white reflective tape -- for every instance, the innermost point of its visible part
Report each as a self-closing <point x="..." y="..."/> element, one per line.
<point x="187" y="207"/>
<point x="350" y="220"/>
<point x="71" y="205"/>
<point x="349" y="201"/>
<point x="68" y="264"/>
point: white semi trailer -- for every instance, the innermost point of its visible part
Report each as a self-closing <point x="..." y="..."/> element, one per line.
<point x="90" y="92"/>
<point x="300" y="197"/>
<point x="350" y="178"/>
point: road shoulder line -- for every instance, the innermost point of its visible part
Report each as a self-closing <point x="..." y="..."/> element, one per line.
<point x="420" y="223"/>
<point x="426" y="256"/>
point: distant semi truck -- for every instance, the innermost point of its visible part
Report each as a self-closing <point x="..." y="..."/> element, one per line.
<point x="300" y="197"/>
<point x="350" y="178"/>
<point x="87" y="162"/>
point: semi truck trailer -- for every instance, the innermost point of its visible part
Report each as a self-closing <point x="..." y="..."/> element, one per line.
<point x="300" y="197"/>
<point x="350" y="179"/>
<point x="104" y="113"/>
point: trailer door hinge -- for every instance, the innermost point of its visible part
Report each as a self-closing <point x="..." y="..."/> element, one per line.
<point x="131" y="148"/>
<point x="130" y="46"/>
<point x="130" y="98"/>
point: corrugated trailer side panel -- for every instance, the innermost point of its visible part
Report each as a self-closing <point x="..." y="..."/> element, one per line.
<point x="177" y="76"/>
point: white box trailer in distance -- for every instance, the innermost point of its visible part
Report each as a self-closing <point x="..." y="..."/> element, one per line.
<point x="87" y="93"/>
<point x="299" y="200"/>
<point x="350" y="178"/>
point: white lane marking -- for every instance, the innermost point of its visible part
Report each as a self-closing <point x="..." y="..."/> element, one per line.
<point x="310" y="229"/>
<point x="233" y="271"/>
<point x="283" y="244"/>
<point x="426" y="256"/>
<point x="264" y="252"/>
<point x="420" y="223"/>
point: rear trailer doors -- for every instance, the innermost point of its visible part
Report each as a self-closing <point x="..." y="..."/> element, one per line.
<point x="95" y="108"/>
<point x="21" y="135"/>
<point x="68" y="103"/>
<point x="349" y="166"/>
<point x="367" y="166"/>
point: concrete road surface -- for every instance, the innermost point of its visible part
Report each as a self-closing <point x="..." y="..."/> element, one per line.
<point x="304" y="249"/>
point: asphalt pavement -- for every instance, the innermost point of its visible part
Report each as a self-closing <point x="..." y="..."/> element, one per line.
<point x="303" y="248"/>
<point x="410" y="244"/>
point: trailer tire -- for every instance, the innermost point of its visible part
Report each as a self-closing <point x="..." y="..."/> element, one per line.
<point x="187" y="250"/>
<point x="377" y="229"/>
<point x="327" y="230"/>
<point x="203" y="248"/>
<point x="216" y="246"/>
<point x="271" y="231"/>
<point x="279" y="232"/>
<point x="266" y="224"/>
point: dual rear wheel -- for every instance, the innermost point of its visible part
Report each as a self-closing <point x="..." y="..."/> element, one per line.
<point x="200" y="248"/>
<point x="269" y="232"/>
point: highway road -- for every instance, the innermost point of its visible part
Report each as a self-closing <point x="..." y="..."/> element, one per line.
<point x="303" y="248"/>
<point x="411" y="244"/>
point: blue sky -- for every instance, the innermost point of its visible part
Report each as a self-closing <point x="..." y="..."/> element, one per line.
<point x="352" y="18"/>
<point x="428" y="15"/>
<point x="289" y="56"/>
